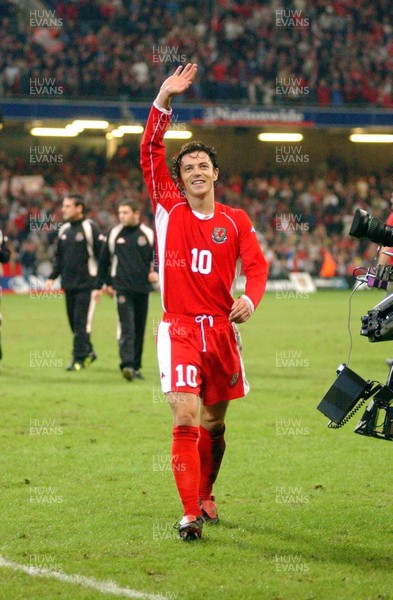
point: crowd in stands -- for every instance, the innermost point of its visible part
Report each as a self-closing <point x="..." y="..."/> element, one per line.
<point x="302" y="220"/>
<point x="264" y="52"/>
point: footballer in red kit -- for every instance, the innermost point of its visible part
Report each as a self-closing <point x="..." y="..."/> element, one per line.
<point x="200" y="244"/>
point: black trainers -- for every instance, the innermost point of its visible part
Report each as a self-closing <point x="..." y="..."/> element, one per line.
<point x="128" y="373"/>
<point x="209" y="510"/>
<point x="138" y="375"/>
<point x="76" y="365"/>
<point x="190" y="528"/>
<point x="91" y="357"/>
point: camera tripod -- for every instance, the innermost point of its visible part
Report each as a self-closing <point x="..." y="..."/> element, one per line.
<point x="381" y="401"/>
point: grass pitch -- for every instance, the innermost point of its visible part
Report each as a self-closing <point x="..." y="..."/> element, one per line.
<point x="86" y="486"/>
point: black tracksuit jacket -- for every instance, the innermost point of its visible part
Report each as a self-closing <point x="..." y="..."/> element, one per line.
<point x="4" y="251"/>
<point x="77" y="268"/>
<point x="126" y="265"/>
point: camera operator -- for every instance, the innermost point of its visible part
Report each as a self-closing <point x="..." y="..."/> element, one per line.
<point x="385" y="259"/>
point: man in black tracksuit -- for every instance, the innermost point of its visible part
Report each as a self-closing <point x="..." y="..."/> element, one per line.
<point x="126" y="266"/>
<point x="76" y="261"/>
<point x="4" y="258"/>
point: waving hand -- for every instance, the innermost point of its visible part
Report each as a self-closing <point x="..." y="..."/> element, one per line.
<point x="176" y="84"/>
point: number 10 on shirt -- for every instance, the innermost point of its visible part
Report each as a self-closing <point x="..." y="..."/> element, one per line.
<point x="201" y="261"/>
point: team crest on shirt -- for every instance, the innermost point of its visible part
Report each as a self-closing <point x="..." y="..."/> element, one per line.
<point x="219" y="235"/>
<point x="235" y="379"/>
<point x="142" y="241"/>
<point x="79" y="236"/>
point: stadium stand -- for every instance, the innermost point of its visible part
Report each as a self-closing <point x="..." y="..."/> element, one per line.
<point x="108" y="49"/>
<point x="299" y="219"/>
<point x="122" y="49"/>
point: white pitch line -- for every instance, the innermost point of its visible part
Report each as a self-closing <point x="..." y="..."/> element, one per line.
<point x="105" y="587"/>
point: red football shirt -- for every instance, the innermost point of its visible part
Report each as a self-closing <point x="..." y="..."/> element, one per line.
<point x="198" y="254"/>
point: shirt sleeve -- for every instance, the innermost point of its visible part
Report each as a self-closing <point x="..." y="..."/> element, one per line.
<point x="255" y="265"/>
<point x="103" y="274"/>
<point x="4" y="250"/>
<point x="98" y="240"/>
<point x="162" y="189"/>
<point x="57" y="261"/>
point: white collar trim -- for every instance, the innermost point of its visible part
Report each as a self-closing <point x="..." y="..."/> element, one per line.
<point x="203" y="217"/>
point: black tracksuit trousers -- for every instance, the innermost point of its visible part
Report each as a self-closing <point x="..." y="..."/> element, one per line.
<point x="132" y="312"/>
<point x="80" y="308"/>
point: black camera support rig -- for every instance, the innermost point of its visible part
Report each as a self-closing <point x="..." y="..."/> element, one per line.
<point x="349" y="393"/>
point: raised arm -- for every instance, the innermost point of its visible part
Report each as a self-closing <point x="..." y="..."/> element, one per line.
<point x="161" y="187"/>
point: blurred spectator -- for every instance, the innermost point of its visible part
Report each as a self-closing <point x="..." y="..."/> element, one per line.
<point x="28" y="258"/>
<point x="301" y="218"/>
<point x="341" y="52"/>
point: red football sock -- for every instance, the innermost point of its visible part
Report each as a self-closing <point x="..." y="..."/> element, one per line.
<point x="186" y="467"/>
<point x="211" y="447"/>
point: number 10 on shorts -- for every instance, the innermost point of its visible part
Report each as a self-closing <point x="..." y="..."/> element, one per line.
<point x="186" y="375"/>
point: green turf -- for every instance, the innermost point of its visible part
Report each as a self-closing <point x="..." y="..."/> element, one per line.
<point x="305" y="511"/>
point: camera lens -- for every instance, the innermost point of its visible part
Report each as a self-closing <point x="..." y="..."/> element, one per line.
<point x="366" y="227"/>
<point x="359" y="227"/>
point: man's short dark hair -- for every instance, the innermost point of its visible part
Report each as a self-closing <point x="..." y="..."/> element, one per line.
<point x="133" y="204"/>
<point x="78" y="201"/>
<point x="191" y="148"/>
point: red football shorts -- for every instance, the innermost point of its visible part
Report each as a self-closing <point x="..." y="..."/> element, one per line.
<point x="201" y="355"/>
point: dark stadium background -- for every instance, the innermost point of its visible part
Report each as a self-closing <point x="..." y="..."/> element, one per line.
<point x="322" y="69"/>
